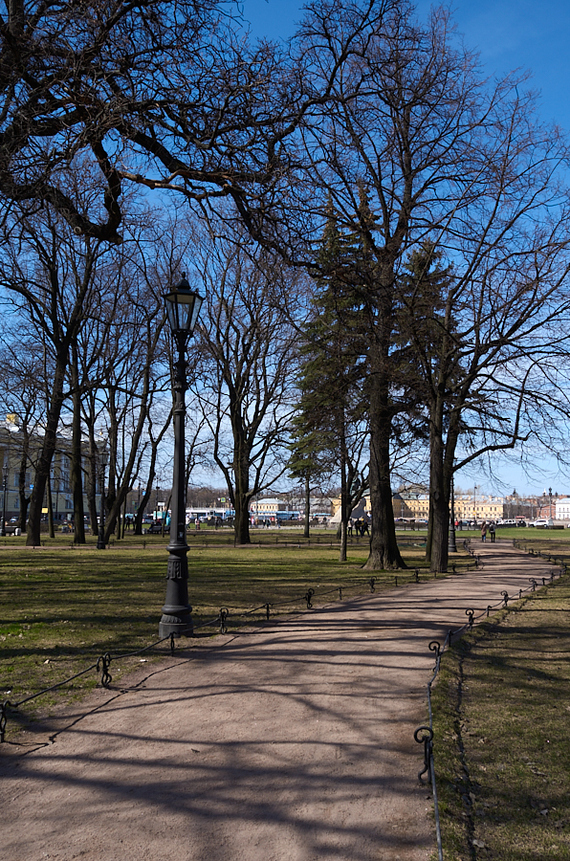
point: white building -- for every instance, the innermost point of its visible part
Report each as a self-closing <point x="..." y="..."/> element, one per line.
<point x="562" y="509"/>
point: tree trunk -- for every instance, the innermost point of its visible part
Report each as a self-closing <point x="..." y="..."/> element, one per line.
<point x="307" y="530"/>
<point x="429" y="536"/>
<point x="76" y="474"/>
<point x="93" y="483"/>
<point x="51" y="530"/>
<point x="242" y="495"/>
<point x="24" y="500"/>
<point x="241" y="526"/>
<point x="33" y="538"/>
<point x="384" y="552"/>
<point x="439" y="508"/>
<point x="143" y="502"/>
<point x="442" y="454"/>
<point x="344" y="512"/>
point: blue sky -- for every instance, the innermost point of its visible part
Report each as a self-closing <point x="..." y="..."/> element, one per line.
<point x="508" y="35"/>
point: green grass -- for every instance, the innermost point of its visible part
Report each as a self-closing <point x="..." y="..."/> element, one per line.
<point x="61" y="607"/>
<point x="501" y="714"/>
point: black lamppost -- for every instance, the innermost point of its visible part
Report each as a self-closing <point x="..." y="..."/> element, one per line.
<point x="101" y="531"/>
<point x="550" y="503"/>
<point x="452" y="546"/>
<point x="183" y="307"/>
<point x="4" y="488"/>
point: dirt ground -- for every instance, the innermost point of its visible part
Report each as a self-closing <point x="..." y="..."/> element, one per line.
<point x="290" y="742"/>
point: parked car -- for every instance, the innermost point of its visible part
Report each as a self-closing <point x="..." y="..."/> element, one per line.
<point x="542" y="523"/>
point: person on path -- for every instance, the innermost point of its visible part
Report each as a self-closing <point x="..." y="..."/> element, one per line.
<point x="492" y="532"/>
<point x="484" y="532"/>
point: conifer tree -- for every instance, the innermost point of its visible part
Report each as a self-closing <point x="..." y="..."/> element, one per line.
<point x="308" y="462"/>
<point x="378" y="296"/>
<point x="332" y="416"/>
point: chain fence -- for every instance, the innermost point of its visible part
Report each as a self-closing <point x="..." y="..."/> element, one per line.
<point x="424" y="734"/>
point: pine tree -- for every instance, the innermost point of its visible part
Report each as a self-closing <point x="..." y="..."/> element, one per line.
<point x="332" y="381"/>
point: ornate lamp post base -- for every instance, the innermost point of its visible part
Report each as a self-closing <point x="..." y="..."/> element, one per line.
<point x="176" y="618"/>
<point x="175" y="624"/>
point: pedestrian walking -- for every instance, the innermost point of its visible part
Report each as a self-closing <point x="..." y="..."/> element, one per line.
<point x="492" y="532"/>
<point x="484" y="532"/>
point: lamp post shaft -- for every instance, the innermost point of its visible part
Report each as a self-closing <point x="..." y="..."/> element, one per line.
<point x="550" y="503"/>
<point x="101" y="531"/>
<point x="176" y="612"/>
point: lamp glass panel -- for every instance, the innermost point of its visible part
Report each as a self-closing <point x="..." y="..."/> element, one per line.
<point x="171" y="308"/>
<point x="183" y="309"/>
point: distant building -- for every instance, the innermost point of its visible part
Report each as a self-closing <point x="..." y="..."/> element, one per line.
<point x="561" y="509"/>
<point x="481" y="508"/>
<point x="11" y="453"/>
<point x="412" y="503"/>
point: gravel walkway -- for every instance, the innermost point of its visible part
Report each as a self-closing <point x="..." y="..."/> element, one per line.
<point x="291" y="742"/>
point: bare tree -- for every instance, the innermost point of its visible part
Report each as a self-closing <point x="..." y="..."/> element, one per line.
<point x="47" y="273"/>
<point x="22" y="396"/>
<point x="246" y="357"/>
<point x="413" y="144"/>
<point x="484" y="369"/>
<point x="164" y="94"/>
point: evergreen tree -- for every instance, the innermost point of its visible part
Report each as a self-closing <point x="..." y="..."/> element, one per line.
<point x="331" y="423"/>
<point x="377" y="320"/>
<point x="308" y="462"/>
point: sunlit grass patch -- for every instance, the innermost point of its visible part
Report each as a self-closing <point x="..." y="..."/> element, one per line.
<point x="501" y="716"/>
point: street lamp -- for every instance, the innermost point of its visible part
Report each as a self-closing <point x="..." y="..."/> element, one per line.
<point x="550" y="503"/>
<point x="101" y="531"/>
<point x="4" y="488"/>
<point x="182" y="307"/>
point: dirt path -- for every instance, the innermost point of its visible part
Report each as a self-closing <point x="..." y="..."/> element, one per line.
<point x="292" y="742"/>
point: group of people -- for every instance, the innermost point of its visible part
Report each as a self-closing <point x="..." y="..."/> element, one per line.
<point x="360" y="525"/>
<point x="490" y="529"/>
